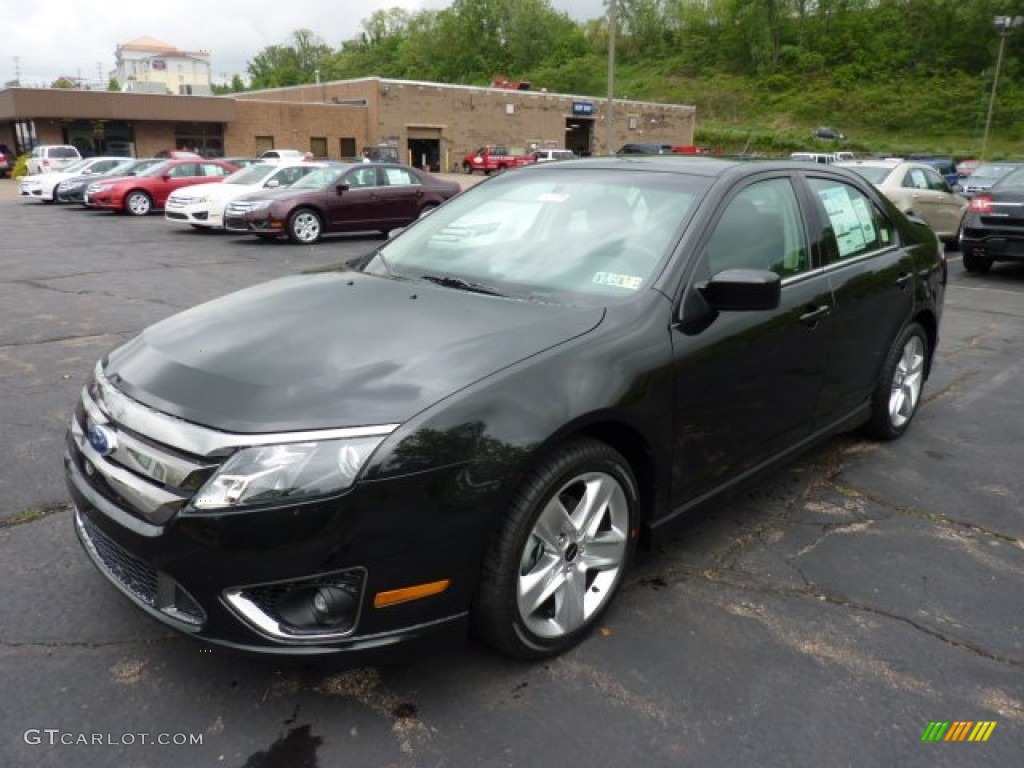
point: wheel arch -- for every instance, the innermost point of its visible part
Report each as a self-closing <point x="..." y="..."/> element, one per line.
<point x="636" y="449"/>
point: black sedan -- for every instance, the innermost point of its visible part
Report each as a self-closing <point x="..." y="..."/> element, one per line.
<point x="477" y="423"/>
<point x="993" y="227"/>
<point x="340" y="197"/>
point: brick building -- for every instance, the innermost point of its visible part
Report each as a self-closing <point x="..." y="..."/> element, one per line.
<point x="429" y="124"/>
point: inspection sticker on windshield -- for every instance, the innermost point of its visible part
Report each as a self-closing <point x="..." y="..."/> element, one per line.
<point x="632" y="282"/>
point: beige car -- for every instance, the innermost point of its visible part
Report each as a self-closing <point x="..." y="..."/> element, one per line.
<point x="918" y="189"/>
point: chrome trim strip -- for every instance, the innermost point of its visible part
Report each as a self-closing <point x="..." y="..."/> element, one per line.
<point x="150" y="461"/>
<point x="203" y="441"/>
<point x="132" y="523"/>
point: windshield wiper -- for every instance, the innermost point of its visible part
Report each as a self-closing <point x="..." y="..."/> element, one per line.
<point x="448" y="281"/>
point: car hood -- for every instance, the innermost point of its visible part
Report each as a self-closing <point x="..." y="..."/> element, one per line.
<point x="331" y="350"/>
<point x="216" y="191"/>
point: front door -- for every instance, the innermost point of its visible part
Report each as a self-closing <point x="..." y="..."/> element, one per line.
<point x="747" y="383"/>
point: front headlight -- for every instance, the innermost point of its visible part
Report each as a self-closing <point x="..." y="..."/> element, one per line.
<point x="259" y="205"/>
<point x="283" y="473"/>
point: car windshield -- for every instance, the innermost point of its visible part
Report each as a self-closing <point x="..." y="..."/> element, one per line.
<point x="991" y="171"/>
<point x="63" y="152"/>
<point x="873" y="173"/>
<point x="251" y="174"/>
<point x="580" y="235"/>
<point x="1013" y="179"/>
<point x="77" y="166"/>
<point x="155" y="170"/>
<point x="319" y="178"/>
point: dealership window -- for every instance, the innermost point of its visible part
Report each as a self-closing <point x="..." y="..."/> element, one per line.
<point x="263" y="143"/>
<point x="346" y="147"/>
<point x="318" y="146"/>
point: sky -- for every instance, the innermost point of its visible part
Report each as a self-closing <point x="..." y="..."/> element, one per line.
<point x="71" y="38"/>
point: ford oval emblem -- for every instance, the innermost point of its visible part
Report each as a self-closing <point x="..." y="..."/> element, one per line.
<point x="102" y="439"/>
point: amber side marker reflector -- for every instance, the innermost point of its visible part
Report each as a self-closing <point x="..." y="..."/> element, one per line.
<point x="395" y="596"/>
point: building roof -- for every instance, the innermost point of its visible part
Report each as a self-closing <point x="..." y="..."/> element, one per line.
<point x="147" y="44"/>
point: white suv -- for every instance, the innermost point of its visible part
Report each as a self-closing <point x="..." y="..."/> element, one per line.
<point x="52" y="157"/>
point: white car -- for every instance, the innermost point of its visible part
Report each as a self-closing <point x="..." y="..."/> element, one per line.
<point x="43" y="186"/>
<point x="47" y="158"/>
<point x="202" y="205"/>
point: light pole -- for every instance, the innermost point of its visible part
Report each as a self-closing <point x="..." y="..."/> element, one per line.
<point x="610" y="112"/>
<point x="1003" y="25"/>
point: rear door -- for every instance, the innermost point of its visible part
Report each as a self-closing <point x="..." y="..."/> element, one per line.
<point x="872" y="279"/>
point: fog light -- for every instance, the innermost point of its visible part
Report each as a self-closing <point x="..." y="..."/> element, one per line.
<point x="319" y="607"/>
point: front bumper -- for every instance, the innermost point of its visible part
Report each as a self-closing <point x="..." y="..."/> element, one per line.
<point x="231" y="578"/>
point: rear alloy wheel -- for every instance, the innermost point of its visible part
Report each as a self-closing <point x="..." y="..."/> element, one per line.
<point x="560" y="554"/>
<point x="138" y="203"/>
<point x="975" y="263"/>
<point x="898" y="392"/>
<point x="304" y="227"/>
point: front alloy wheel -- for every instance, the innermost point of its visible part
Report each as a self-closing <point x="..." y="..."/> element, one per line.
<point x="561" y="553"/>
<point x="138" y="203"/>
<point x="898" y="392"/>
<point x="304" y="227"/>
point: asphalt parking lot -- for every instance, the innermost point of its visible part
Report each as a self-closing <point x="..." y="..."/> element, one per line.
<point x="825" y="618"/>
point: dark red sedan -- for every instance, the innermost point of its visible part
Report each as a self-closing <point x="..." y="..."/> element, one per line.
<point x="340" y="197"/>
<point x="138" y="195"/>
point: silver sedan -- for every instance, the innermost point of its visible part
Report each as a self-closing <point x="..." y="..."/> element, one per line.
<point x="917" y="189"/>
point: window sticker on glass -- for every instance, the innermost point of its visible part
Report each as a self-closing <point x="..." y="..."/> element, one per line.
<point x="846" y="219"/>
<point x="632" y="282"/>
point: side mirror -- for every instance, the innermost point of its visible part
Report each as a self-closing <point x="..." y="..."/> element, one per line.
<point x="341" y="188"/>
<point x="743" y="290"/>
<point x="273" y="184"/>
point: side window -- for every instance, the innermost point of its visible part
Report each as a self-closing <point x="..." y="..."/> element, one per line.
<point x="396" y="177"/>
<point x="362" y="177"/>
<point x="915" y="179"/>
<point x="935" y="182"/>
<point x="183" y="170"/>
<point x="760" y="228"/>
<point x="856" y="225"/>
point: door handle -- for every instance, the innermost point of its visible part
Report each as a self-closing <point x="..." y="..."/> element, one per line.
<point x="811" y="317"/>
<point x="903" y="279"/>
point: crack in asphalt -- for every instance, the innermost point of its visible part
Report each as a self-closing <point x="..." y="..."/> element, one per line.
<point x="32" y="515"/>
<point x="746" y="581"/>
<point x="88" y="646"/>
<point x="60" y="339"/>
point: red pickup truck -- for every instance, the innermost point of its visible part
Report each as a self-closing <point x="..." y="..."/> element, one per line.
<point x="492" y="158"/>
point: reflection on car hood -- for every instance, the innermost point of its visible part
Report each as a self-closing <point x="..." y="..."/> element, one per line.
<point x="332" y="350"/>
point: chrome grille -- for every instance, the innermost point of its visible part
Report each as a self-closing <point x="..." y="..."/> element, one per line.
<point x="154" y="462"/>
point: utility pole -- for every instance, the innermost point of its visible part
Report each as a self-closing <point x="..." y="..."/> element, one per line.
<point x="610" y="112"/>
<point x="1004" y="25"/>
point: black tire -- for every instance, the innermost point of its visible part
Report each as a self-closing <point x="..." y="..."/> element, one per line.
<point x="555" y="563"/>
<point x="305" y="226"/>
<point x="900" y="384"/>
<point x="467" y="168"/>
<point x="975" y="263"/>
<point x="138" y="203"/>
